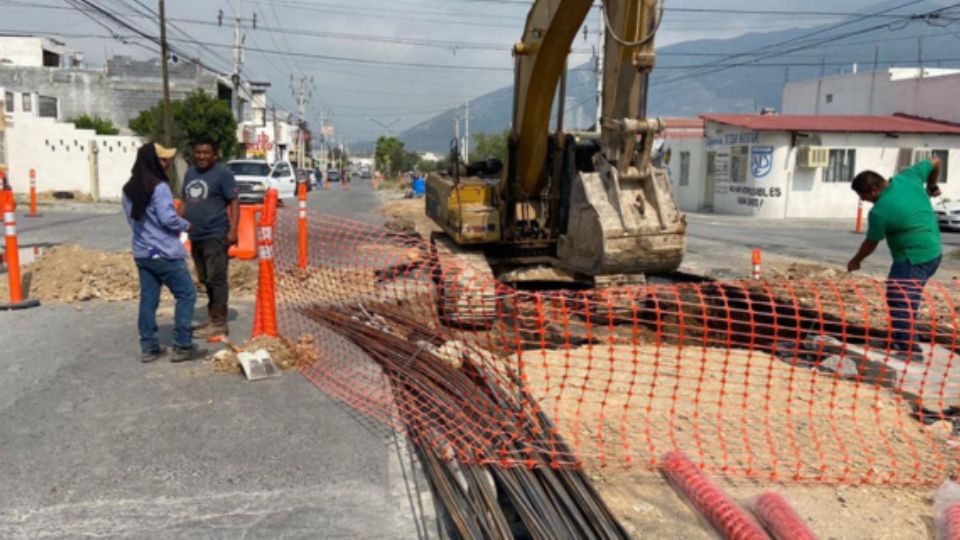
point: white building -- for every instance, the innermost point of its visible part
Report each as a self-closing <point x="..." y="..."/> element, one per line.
<point x="63" y="157"/>
<point x="924" y="93"/>
<point x="801" y="166"/>
<point x="266" y="133"/>
<point x="31" y="51"/>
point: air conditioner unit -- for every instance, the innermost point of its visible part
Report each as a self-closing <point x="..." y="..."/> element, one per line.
<point x="813" y="157"/>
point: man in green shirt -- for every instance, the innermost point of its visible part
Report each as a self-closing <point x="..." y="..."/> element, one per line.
<point x="903" y="215"/>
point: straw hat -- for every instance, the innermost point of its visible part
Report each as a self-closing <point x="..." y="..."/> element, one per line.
<point x="165" y="153"/>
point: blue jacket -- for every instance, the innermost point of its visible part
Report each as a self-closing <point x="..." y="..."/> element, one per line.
<point x="157" y="235"/>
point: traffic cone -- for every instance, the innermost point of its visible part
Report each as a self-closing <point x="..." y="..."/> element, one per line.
<point x="13" y="262"/>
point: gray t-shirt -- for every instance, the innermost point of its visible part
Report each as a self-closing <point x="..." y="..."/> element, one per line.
<point x="206" y="195"/>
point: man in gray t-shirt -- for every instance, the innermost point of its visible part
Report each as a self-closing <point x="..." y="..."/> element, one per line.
<point x="208" y="191"/>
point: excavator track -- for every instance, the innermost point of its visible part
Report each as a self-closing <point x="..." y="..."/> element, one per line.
<point x="466" y="289"/>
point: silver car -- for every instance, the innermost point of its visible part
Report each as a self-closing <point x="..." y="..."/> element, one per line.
<point x="948" y="215"/>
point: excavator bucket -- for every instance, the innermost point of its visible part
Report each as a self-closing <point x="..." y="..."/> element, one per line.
<point x="621" y="226"/>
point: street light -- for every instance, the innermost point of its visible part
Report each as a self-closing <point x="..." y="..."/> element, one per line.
<point x="386" y="127"/>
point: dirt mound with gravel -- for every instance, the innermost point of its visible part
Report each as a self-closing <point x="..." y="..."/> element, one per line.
<point x="285" y="355"/>
<point x="72" y="274"/>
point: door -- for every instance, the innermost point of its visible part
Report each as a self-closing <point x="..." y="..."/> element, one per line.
<point x="710" y="186"/>
<point x="284" y="180"/>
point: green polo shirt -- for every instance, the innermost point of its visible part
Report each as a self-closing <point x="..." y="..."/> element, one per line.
<point x="904" y="217"/>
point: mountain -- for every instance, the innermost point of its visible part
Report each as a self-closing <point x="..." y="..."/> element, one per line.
<point x="702" y="76"/>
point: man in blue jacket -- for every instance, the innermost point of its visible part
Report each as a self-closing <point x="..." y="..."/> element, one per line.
<point x="159" y="254"/>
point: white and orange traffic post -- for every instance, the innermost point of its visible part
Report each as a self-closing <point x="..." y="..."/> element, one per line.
<point x="304" y="232"/>
<point x="12" y="250"/>
<point x="859" y="229"/>
<point x="757" y="259"/>
<point x="33" y="194"/>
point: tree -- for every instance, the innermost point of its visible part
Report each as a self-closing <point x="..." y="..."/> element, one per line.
<point x="491" y="145"/>
<point x="101" y="125"/>
<point x="390" y="156"/>
<point x="411" y="160"/>
<point x="197" y="115"/>
<point x="336" y="154"/>
<point x="427" y="166"/>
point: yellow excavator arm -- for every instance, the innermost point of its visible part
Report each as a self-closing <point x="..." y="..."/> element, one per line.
<point x="541" y="58"/>
<point x="594" y="203"/>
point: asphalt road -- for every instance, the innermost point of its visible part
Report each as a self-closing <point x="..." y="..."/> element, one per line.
<point x="97" y="444"/>
<point x="723" y="244"/>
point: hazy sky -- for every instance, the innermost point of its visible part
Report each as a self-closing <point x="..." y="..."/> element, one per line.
<point x="475" y="34"/>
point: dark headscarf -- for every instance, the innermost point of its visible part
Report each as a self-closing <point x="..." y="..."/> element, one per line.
<point x="146" y="175"/>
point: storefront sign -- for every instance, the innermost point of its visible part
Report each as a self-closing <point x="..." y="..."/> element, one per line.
<point x="761" y="162"/>
<point x="755" y="197"/>
<point x="734" y="138"/>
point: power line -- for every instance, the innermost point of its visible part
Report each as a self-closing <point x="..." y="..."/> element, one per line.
<point x="722" y="66"/>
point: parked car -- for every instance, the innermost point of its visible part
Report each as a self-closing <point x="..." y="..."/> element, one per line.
<point x="284" y="180"/>
<point x="948" y="215"/>
<point x="252" y="177"/>
<point x="333" y="175"/>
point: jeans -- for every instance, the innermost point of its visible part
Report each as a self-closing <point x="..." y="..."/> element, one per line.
<point x="904" y="294"/>
<point x="154" y="274"/>
<point x="211" y="260"/>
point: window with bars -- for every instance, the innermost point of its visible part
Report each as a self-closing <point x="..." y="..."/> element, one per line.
<point x="842" y="165"/>
<point x="739" y="163"/>
<point x="684" y="168"/>
<point x="944" y="156"/>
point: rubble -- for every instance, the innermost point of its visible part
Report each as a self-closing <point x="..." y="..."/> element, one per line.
<point x="284" y="356"/>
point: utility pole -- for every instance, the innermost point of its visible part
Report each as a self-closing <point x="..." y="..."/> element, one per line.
<point x="456" y="127"/>
<point x="873" y="79"/>
<point x="601" y="51"/>
<point x="276" y="136"/>
<point x="466" y="145"/>
<point x="302" y="94"/>
<point x="238" y="39"/>
<point x="165" y="53"/>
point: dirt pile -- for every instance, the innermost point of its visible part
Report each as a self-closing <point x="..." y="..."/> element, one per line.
<point x="72" y="274"/>
<point x="856" y="298"/>
<point x="748" y="413"/>
<point x="408" y="216"/>
<point x="739" y="411"/>
<point x="285" y="355"/>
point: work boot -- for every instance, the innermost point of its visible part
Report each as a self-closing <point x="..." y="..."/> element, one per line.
<point x="216" y="326"/>
<point x="203" y="327"/>
<point x="187" y="354"/>
<point x="153" y="356"/>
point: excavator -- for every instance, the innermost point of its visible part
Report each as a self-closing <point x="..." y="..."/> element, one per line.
<point x="584" y="209"/>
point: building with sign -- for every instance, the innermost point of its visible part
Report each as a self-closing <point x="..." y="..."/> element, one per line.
<point x="775" y="166"/>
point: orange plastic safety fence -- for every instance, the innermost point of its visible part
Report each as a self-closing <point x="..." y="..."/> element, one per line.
<point x="788" y="380"/>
